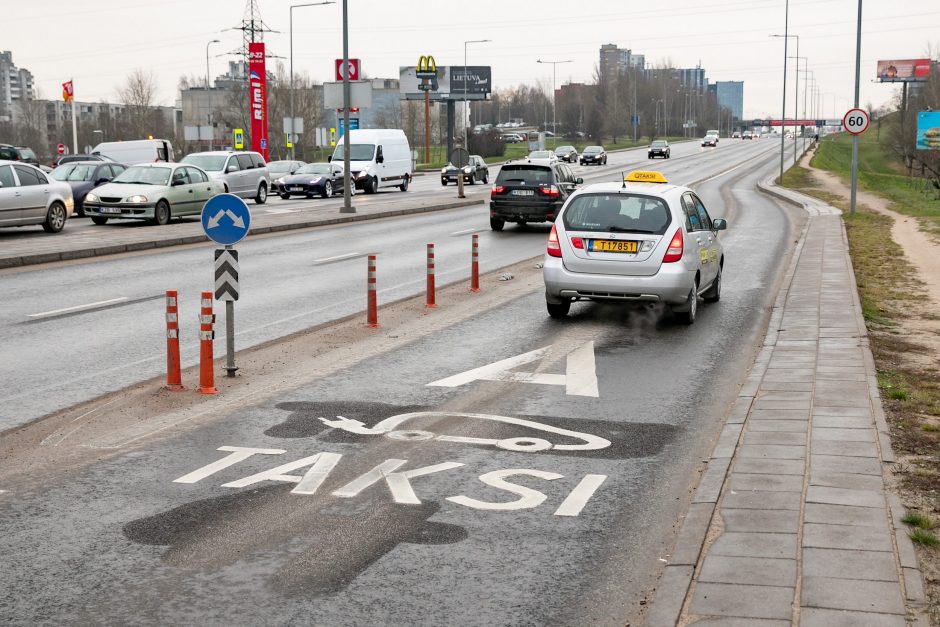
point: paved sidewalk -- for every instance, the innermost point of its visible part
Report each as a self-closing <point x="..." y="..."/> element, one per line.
<point x="791" y="523"/>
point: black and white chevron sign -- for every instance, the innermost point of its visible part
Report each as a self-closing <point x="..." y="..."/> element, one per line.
<point x="226" y="274"/>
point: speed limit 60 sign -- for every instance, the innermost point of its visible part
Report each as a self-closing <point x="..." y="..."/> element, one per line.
<point x="855" y="121"/>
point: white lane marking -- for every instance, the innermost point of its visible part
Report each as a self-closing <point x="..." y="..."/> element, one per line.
<point x="278" y="211"/>
<point x="580" y="378"/>
<point x="575" y="502"/>
<point x="390" y="427"/>
<point x="398" y="482"/>
<point x="337" y="258"/>
<point x="528" y="498"/>
<point x="238" y="454"/>
<point x="711" y="178"/>
<point x="77" y="307"/>
<point x="467" y="232"/>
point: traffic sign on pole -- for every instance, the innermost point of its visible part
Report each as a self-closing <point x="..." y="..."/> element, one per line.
<point x="60" y="149"/>
<point x="226" y="274"/>
<point x="353" y="70"/>
<point x="226" y="219"/>
<point x="856" y="121"/>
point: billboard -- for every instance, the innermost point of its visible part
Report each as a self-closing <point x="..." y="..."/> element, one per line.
<point x="408" y="83"/>
<point x="448" y="84"/>
<point x="903" y="71"/>
<point x="258" y="98"/>
<point x="478" y="79"/>
<point x="928" y="130"/>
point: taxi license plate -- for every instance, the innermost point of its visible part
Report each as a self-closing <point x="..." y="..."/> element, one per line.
<point x="110" y="210"/>
<point x="611" y="246"/>
<point x="523" y="192"/>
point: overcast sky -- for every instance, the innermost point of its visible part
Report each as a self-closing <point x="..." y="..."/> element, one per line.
<point x="98" y="42"/>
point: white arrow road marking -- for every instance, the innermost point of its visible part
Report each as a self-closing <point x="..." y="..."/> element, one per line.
<point x="580" y="378"/>
<point x="55" y="312"/>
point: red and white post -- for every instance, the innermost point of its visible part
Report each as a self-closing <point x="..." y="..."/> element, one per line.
<point x="206" y="336"/>
<point x="430" y="303"/>
<point x="372" y="314"/>
<point x="174" y="381"/>
<point x="475" y="265"/>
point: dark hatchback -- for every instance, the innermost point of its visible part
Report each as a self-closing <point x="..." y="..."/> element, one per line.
<point x="529" y="192"/>
<point x="594" y="155"/>
<point x="324" y="179"/>
<point x="84" y="176"/>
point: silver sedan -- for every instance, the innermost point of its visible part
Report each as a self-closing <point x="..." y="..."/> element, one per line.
<point x="28" y="196"/>
<point x="643" y="241"/>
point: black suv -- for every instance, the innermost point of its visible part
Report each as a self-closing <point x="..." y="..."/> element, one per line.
<point x="18" y="153"/>
<point x="530" y="192"/>
<point x="659" y="148"/>
<point x="567" y="153"/>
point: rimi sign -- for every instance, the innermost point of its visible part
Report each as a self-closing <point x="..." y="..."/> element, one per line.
<point x="257" y="95"/>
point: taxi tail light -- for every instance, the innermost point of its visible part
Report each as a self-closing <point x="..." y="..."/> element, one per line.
<point x="676" y="247"/>
<point x="554" y="249"/>
<point x="577" y="242"/>
<point x="497" y="189"/>
<point x="550" y="191"/>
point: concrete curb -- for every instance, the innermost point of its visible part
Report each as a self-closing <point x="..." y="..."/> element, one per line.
<point x="81" y="253"/>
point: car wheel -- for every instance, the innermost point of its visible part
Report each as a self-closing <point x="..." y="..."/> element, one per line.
<point x="558" y="310"/>
<point x="444" y="182"/>
<point x="473" y="179"/>
<point x="99" y="219"/>
<point x="327" y="190"/>
<point x="486" y="178"/>
<point x="161" y="213"/>
<point x="713" y="293"/>
<point x="497" y="224"/>
<point x="691" y="307"/>
<point x="55" y="218"/>
<point x="285" y="196"/>
<point x="262" y="196"/>
<point x="225" y="188"/>
<point x="404" y="186"/>
<point x="373" y="185"/>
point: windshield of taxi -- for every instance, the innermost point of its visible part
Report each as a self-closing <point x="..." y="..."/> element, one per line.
<point x="144" y="175"/>
<point x="617" y="213"/>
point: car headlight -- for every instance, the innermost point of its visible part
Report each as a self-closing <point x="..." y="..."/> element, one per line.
<point x="280" y="181"/>
<point x="315" y="180"/>
<point x="443" y="170"/>
<point x="90" y="197"/>
<point x="466" y="170"/>
<point x="362" y="175"/>
<point x="137" y="199"/>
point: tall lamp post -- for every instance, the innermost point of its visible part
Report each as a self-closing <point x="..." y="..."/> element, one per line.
<point x="796" y="100"/>
<point x="466" y="140"/>
<point x="291" y="11"/>
<point x="208" y="105"/>
<point x="783" y="113"/>
<point x="554" y="65"/>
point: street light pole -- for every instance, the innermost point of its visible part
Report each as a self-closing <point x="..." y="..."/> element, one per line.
<point x="347" y="178"/>
<point x="858" y="59"/>
<point x="291" y="11"/>
<point x="554" y="65"/>
<point x="208" y="106"/>
<point x="783" y="113"/>
<point x="466" y="140"/>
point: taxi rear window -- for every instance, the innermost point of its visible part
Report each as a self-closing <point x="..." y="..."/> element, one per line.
<point x="617" y="213"/>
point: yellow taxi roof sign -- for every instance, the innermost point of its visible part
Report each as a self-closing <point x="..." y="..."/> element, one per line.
<point x="645" y="176"/>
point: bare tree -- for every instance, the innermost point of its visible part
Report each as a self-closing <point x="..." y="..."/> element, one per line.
<point x="137" y="94"/>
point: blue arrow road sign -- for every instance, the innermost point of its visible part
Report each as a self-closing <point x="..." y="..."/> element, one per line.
<point x="226" y="219"/>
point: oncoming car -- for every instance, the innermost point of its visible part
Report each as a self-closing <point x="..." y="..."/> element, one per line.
<point x="152" y="191"/>
<point x="641" y="241"/>
<point x="710" y="140"/>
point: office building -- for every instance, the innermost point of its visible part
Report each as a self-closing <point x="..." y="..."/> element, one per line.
<point x="16" y="86"/>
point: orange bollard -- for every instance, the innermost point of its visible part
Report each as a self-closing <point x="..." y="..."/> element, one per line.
<point x="475" y="265"/>
<point x="174" y="381"/>
<point x="206" y="335"/>
<point x="372" y="314"/>
<point x="430" y="302"/>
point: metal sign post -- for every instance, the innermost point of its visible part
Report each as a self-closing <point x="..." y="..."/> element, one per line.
<point x="226" y="220"/>
<point x="460" y="158"/>
<point x="858" y="62"/>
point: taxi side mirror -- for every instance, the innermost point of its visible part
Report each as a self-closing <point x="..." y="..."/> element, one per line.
<point x="719" y="224"/>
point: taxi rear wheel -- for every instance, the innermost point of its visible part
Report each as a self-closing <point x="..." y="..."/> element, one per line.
<point x="690" y="308"/>
<point x="558" y="310"/>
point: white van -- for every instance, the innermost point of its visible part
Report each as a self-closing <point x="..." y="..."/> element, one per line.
<point x="136" y="151"/>
<point x="377" y="158"/>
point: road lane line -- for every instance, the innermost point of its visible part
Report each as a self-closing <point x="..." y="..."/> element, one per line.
<point x="579" y="497"/>
<point x="56" y="312"/>
<point x="320" y="262"/>
<point x="467" y="232"/>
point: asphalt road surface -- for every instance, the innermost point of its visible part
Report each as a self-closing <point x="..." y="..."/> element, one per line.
<point x="509" y="469"/>
<point x="73" y="331"/>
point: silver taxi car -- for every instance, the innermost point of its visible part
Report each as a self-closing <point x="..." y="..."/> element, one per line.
<point x="644" y="240"/>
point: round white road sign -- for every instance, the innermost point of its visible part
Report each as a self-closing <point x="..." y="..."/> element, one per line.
<point x="856" y="121"/>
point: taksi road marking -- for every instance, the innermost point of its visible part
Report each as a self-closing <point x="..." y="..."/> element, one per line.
<point x="580" y="378"/>
<point x="389" y="428"/>
<point x="398" y="481"/>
